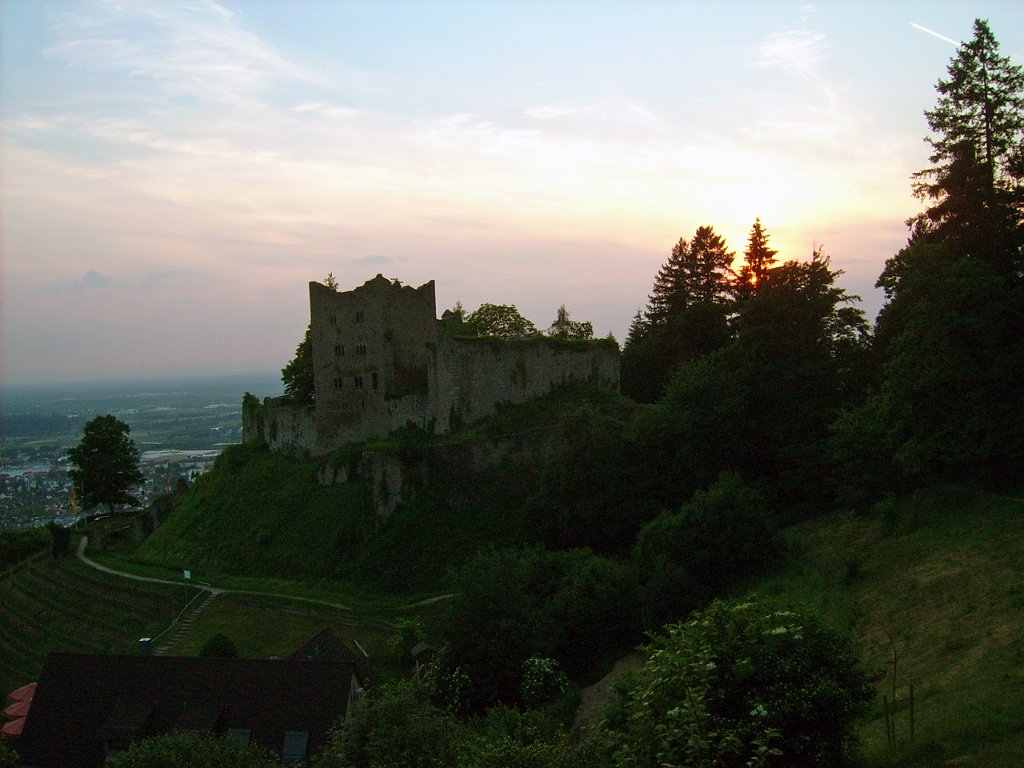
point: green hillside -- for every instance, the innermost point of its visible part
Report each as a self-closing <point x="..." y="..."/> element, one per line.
<point x="61" y="605"/>
<point x="263" y="514"/>
<point x="942" y="574"/>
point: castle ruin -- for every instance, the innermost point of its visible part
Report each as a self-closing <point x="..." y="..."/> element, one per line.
<point x="382" y="361"/>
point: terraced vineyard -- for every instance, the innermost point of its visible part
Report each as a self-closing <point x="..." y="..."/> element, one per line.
<point x="61" y="605"/>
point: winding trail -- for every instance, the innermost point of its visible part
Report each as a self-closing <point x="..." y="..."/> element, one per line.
<point x="203" y="587"/>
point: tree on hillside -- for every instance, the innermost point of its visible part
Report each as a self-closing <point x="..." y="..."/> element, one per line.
<point x="719" y="536"/>
<point x="950" y="337"/>
<point x="758" y="259"/>
<point x="297" y="376"/>
<point x="565" y="328"/>
<point x="761" y="405"/>
<point x="953" y="360"/>
<point x="511" y="604"/>
<point x="696" y="271"/>
<point x="106" y="464"/>
<point x="502" y="321"/>
<point x="741" y="684"/>
<point x="975" y="181"/>
<point x="686" y="316"/>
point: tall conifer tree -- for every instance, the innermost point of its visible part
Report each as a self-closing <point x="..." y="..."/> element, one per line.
<point x="758" y="259"/>
<point x="975" y="180"/>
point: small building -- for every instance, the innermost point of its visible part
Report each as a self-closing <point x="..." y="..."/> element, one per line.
<point x="88" y="708"/>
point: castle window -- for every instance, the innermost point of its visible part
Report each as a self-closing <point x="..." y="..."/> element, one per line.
<point x="359" y="316"/>
<point x="337" y="382"/>
<point x="339" y="350"/>
<point x="332" y="318"/>
<point x="360" y="349"/>
<point x="359" y="382"/>
<point x="373" y="380"/>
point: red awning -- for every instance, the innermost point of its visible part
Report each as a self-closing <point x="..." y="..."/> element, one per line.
<point x="25" y="693"/>
<point x="17" y="709"/>
<point x="12" y="730"/>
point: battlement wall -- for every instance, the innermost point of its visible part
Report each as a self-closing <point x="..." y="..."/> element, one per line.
<point x="381" y="362"/>
<point x="470" y="377"/>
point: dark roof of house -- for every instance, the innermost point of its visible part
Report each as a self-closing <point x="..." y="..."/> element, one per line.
<point x="83" y="700"/>
<point x="327" y="646"/>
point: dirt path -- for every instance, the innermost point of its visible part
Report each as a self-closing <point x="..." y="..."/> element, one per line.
<point x="594" y="699"/>
<point x="203" y="587"/>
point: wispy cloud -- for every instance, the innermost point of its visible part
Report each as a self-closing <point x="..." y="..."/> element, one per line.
<point x="550" y="113"/>
<point x="91" y="279"/>
<point x="796" y="51"/>
<point x="195" y="49"/>
<point x="933" y="33"/>
<point x="96" y="280"/>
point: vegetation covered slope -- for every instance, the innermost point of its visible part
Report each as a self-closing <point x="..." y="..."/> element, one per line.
<point x="61" y="605"/>
<point x="264" y="514"/>
<point x="257" y="513"/>
<point x="939" y="577"/>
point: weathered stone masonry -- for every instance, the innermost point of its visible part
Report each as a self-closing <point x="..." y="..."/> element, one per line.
<point x="381" y="361"/>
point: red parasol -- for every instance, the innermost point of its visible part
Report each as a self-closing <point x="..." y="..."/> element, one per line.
<point x="17" y="709"/>
<point x="25" y="693"/>
<point x="12" y="730"/>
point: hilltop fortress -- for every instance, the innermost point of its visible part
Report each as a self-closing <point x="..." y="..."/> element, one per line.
<point x="382" y="360"/>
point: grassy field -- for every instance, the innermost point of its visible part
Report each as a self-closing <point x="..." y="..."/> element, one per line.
<point x="60" y="605"/>
<point x="65" y="606"/>
<point x="939" y="577"/>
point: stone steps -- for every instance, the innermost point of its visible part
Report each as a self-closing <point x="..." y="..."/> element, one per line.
<point x="185" y="625"/>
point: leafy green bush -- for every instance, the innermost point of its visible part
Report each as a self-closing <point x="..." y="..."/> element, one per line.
<point x="511" y="604"/>
<point x="219" y="646"/>
<point x="510" y="738"/>
<point x="395" y="725"/>
<point x="193" y="750"/>
<point x="19" y="545"/>
<point x="741" y="684"/>
<point x="720" y="536"/>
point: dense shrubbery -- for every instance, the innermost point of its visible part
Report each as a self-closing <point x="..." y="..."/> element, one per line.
<point x="510" y="605"/>
<point x="19" y="545"/>
<point x="741" y="684"/>
<point x="721" y="535"/>
<point x="397" y="726"/>
<point x="194" y="750"/>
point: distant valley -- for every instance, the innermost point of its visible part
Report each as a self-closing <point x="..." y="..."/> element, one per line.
<point x="179" y="426"/>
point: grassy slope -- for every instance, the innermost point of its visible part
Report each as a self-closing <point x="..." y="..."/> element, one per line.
<point x="60" y="605"/>
<point x="942" y="574"/>
<point x="264" y="514"/>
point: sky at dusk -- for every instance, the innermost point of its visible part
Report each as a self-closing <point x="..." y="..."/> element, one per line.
<point x="174" y="174"/>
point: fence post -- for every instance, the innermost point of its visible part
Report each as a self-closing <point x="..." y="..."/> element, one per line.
<point x="911" y="713"/>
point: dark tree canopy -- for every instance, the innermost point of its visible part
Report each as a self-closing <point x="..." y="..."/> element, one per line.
<point x="565" y="328"/>
<point x="106" y="464"/>
<point x="298" y="374"/>
<point x="502" y="321"/>
<point x="741" y="684"/>
<point x="696" y="271"/>
<point x="977" y="168"/>
<point x="949" y="336"/>
<point x="686" y="316"/>
<point x="758" y="259"/>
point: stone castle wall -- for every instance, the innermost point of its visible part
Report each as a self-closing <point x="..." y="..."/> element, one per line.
<point x="380" y="362"/>
<point x="370" y="365"/>
<point x="471" y="377"/>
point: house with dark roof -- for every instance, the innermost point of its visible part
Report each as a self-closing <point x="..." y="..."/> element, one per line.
<point x="88" y="708"/>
